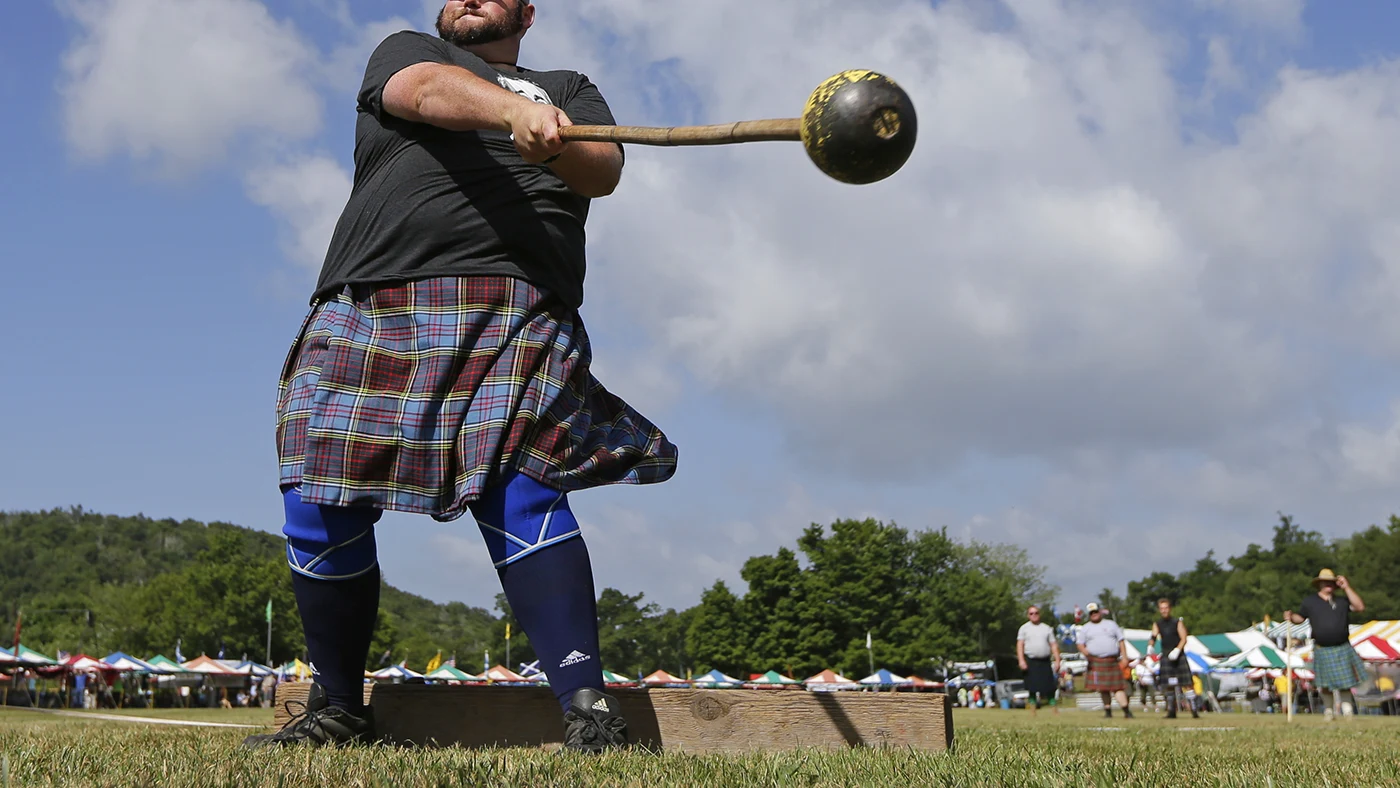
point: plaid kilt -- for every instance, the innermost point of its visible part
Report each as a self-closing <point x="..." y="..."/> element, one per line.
<point x="1104" y="675"/>
<point x="1179" y="670"/>
<point x="416" y="397"/>
<point x="1338" y="667"/>
<point x="1040" y="678"/>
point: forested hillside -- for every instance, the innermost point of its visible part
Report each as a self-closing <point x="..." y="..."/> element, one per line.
<point x="99" y="583"/>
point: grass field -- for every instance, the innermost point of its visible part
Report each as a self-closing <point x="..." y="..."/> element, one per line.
<point x="994" y="747"/>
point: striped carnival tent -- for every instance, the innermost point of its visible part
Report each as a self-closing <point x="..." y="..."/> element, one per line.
<point x="164" y="664"/>
<point x="1374" y="648"/>
<point x="296" y="669"/>
<point x="661" y="678"/>
<point x="129" y="664"/>
<point x="396" y="673"/>
<point x="716" y="678"/>
<point x="1385" y="630"/>
<point x="207" y="664"/>
<point x="772" y="679"/>
<point x="1262" y="657"/>
<point x="1302" y="674"/>
<point x="884" y="678"/>
<point x="503" y="675"/>
<point x="27" y="656"/>
<point x="249" y="667"/>
<point x="84" y="662"/>
<point x="829" y="681"/>
<point x="615" y="680"/>
<point x="1199" y="663"/>
<point x="450" y="673"/>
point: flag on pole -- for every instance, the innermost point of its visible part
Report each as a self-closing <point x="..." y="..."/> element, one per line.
<point x="434" y="663"/>
<point x="507" y="630"/>
<point x="867" y="639"/>
<point x="269" y="610"/>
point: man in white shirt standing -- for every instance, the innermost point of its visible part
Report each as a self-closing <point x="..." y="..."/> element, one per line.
<point x="1035" y="649"/>
<point x="1102" y="642"/>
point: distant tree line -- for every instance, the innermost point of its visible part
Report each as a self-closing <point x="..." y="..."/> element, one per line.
<point x="1265" y="581"/>
<point x="98" y="583"/>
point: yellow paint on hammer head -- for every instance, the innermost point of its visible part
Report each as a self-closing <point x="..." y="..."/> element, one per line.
<point x="857" y="125"/>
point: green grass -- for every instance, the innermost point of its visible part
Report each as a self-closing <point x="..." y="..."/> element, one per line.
<point x="994" y="747"/>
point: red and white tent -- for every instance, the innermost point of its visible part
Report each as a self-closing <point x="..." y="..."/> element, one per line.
<point x="501" y="673"/>
<point x="206" y="664"/>
<point x="1374" y="648"/>
<point x="829" y="680"/>
<point x="663" y="679"/>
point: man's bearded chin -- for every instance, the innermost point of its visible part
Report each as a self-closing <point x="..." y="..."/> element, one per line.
<point x="494" y="30"/>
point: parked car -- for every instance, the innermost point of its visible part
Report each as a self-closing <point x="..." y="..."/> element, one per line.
<point x="1014" y="691"/>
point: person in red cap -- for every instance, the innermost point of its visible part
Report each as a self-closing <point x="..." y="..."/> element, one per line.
<point x="1103" y="644"/>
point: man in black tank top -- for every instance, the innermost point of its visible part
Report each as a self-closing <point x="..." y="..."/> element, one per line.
<point x="1174" y="677"/>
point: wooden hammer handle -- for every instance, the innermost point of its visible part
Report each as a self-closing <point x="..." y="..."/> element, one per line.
<point x="788" y="129"/>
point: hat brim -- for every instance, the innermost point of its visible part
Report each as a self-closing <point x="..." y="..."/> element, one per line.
<point x="1316" y="581"/>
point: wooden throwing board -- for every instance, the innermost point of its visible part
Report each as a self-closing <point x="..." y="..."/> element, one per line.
<point x="671" y="720"/>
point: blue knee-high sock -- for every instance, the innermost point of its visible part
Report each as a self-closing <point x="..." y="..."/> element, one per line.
<point x="551" y="594"/>
<point x="335" y="577"/>
<point x="338" y="617"/>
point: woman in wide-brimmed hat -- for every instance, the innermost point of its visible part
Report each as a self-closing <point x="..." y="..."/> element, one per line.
<point x="1337" y="665"/>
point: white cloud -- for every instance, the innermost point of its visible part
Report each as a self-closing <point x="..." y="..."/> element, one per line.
<point x="306" y="195"/>
<point x="1278" y="16"/>
<point x="1069" y="272"/>
<point x="180" y="81"/>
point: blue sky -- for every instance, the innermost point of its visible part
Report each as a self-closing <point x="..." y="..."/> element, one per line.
<point x="1131" y="297"/>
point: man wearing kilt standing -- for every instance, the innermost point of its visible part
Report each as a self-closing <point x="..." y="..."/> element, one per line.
<point x="1337" y="665"/>
<point x="1036" y="647"/>
<point x="443" y="367"/>
<point x="1103" y="644"/>
<point x="1174" y="668"/>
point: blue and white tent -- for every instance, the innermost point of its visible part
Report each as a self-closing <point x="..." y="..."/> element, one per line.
<point x="884" y="678"/>
<point x="395" y="673"/>
<point x="252" y="668"/>
<point x="128" y="663"/>
<point x="716" y="678"/>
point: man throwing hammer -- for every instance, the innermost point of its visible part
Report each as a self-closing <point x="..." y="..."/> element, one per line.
<point x="443" y="368"/>
<point x="1103" y="644"/>
<point x="1337" y="665"/>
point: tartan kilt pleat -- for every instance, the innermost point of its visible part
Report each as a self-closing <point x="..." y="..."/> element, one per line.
<point x="1338" y="667"/>
<point x="416" y="397"/>
<point x="1104" y="675"/>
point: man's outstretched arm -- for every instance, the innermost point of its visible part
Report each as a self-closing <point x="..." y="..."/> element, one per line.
<point x="454" y="98"/>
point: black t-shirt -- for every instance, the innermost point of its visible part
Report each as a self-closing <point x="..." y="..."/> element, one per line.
<point x="431" y="202"/>
<point x="1166" y="629"/>
<point x="1330" y="620"/>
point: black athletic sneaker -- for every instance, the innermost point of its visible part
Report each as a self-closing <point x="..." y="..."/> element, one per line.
<point x="319" y="724"/>
<point x="1107" y="712"/>
<point x="594" y="722"/>
<point x="1127" y="714"/>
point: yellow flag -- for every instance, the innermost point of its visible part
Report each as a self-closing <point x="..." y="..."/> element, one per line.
<point x="507" y="630"/>
<point x="434" y="663"/>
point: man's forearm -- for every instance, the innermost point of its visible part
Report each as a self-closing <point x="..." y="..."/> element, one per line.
<point x="592" y="169"/>
<point x="1355" y="600"/>
<point x="450" y="97"/>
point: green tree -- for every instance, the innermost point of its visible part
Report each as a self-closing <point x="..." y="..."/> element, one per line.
<point x="716" y="635"/>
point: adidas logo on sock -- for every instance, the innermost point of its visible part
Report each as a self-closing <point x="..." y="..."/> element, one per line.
<point x="600" y="705"/>
<point x="574" y="658"/>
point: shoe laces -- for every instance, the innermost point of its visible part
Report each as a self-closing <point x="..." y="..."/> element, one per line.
<point x="302" y="724"/>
